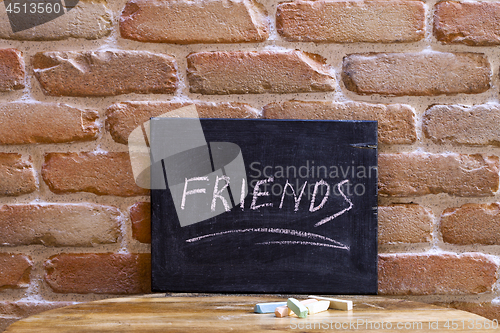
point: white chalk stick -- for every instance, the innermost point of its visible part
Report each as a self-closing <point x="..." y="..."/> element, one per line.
<point x="317" y="307"/>
<point x="338" y="304"/>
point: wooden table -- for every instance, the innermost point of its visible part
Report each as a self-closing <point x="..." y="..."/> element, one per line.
<point x="222" y="313"/>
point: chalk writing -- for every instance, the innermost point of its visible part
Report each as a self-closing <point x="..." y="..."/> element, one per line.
<point x="217" y="194"/>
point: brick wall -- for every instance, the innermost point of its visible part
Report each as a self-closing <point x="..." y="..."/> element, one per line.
<point x="74" y="226"/>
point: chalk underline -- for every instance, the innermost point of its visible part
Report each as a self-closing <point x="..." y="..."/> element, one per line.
<point x="302" y="243"/>
<point x="291" y="232"/>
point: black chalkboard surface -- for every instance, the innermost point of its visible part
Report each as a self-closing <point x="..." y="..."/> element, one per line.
<point x="320" y="237"/>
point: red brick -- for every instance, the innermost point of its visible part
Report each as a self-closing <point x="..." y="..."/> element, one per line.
<point x="99" y="273"/>
<point x="140" y="215"/>
<point x="404" y="223"/>
<point x="106" y="173"/>
<point x="59" y="224"/>
<point x="243" y="72"/>
<point x="12" y="71"/>
<point x="376" y="21"/>
<point x="475" y="23"/>
<point x="11" y="312"/>
<point x="105" y="73"/>
<point x="484" y="309"/>
<point x="471" y="125"/>
<point x="17" y="176"/>
<point x="409" y="174"/>
<point x="123" y="118"/>
<point x="396" y="122"/>
<point x="191" y="22"/>
<point x="15" y="270"/>
<point x="22" y="123"/>
<point x="436" y="274"/>
<point x="472" y="224"/>
<point x="416" y="74"/>
<point x="89" y="19"/>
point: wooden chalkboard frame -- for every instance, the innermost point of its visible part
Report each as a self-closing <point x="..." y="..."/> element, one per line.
<point x="272" y="249"/>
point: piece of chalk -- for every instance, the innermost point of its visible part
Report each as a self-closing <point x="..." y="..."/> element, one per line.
<point x="317" y="307"/>
<point x="268" y="307"/>
<point x="298" y="308"/>
<point x="305" y="302"/>
<point x="339" y="304"/>
<point x="283" y="311"/>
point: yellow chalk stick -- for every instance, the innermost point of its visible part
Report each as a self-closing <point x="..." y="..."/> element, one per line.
<point x="338" y="304"/>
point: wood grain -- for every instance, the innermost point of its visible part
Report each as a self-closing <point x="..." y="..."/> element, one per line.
<point x="222" y="313"/>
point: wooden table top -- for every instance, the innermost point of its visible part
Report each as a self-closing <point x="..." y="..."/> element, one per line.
<point x="221" y="313"/>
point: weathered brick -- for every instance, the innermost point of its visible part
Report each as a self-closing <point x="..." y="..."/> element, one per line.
<point x="408" y="174"/>
<point x="123" y="118"/>
<point x="436" y="274"/>
<point x="396" y="122"/>
<point x="472" y="125"/>
<point x="376" y="21"/>
<point x="12" y="71"/>
<point x="485" y="309"/>
<point x="416" y="74"/>
<point x="472" y="224"/>
<point x="89" y="19"/>
<point x="99" y="273"/>
<point x="59" y="224"/>
<point x="22" y="123"/>
<point x="17" y="175"/>
<point x="15" y="270"/>
<point x="260" y="72"/>
<point x="404" y="223"/>
<point x="107" y="173"/>
<point x="140" y="215"/>
<point x="6" y="321"/>
<point x="14" y="311"/>
<point x="105" y="73"/>
<point x="474" y="23"/>
<point x="212" y="21"/>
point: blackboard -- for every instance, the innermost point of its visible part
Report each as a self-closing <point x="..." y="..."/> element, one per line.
<point x="275" y="243"/>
